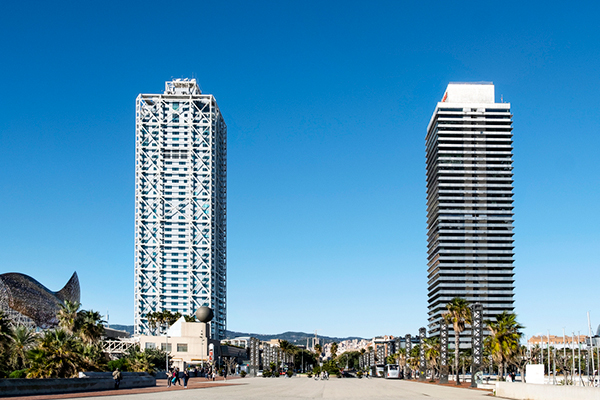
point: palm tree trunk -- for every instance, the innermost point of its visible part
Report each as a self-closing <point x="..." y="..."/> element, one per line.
<point x="456" y="355"/>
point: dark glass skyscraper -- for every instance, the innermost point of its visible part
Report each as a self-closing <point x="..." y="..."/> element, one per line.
<point x="470" y="202"/>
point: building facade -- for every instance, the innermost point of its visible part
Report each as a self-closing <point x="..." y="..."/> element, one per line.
<point x="470" y="202"/>
<point x="187" y="343"/>
<point x="180" y="205"/>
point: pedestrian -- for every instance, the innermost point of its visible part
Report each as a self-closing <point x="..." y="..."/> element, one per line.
<point x="169" y="377"/>
<point x="186" y="378"/>
<point x="214" y="374"/>
<point x="117" y="376"/>
<point x="177" y="376"/>
<point x="225" y="373"/>
<point x="196" y="371"/>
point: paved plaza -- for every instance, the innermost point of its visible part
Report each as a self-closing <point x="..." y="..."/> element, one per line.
<point x="305" y="388"/>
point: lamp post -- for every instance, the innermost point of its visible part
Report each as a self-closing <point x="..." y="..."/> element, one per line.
<point x="579" y="358"/>
<point x="167" y="353"/>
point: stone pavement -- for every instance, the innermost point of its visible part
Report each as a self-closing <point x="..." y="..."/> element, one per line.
<point x="305" y="388"/>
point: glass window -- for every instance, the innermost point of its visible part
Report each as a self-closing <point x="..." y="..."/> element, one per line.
<point x="165" y="347"/>
<point x="182" y="347"/>
<point x="150" y="345"/>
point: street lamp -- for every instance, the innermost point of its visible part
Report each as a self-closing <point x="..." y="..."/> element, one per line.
<point x="167" y="348"/>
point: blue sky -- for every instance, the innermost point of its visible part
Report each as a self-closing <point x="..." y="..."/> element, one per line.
<point x="327" y="105"/>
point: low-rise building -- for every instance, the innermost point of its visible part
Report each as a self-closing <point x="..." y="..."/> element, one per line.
<point x="187" y="342"/>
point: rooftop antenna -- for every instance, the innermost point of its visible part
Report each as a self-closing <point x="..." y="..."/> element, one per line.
<point x="501" y="99"/>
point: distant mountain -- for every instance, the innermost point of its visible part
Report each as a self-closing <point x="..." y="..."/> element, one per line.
<point x="126" y="328"/>
<point x="292" y="337"/>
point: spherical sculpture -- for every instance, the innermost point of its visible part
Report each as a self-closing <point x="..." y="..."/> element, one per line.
<point x="204" y="314"/>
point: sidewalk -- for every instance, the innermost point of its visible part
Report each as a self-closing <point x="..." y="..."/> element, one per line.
<point x="161" y="386"/>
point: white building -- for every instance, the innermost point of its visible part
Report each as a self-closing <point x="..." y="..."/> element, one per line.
<point x="180" y="205"/>
<point x="186" y="342"/>
<point x="470" y="202"/>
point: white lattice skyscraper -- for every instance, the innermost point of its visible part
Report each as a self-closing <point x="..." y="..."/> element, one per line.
<point x="180" y="207"/>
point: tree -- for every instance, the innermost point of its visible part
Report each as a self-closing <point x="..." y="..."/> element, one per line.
<point x="94" y="356"/>
<point x="58" y="355"/>
<point x="413" y="360"/>
<point x="521" y="359"/>
<point x="140" y="362"/>
<point x="89" y="326"/>
<point x="432" y="352"/>
<point x="5" y="341"/>
<point x="158" y="319"/>
<point x="230" y="363"/>
<point x="67" y="316"/>
<point x="22" y="340"/>
<point x="504" y="338"/>
<point x="401" y="357"/>
<point x="318" y="350"/>
<point x="302" y="358"/>
<point x="190" y="318"/>
<point x="349" y="358"/>
<point x="157" y="357"/>
<point x="169" y="317"/>
<point x="334" y="349"/>
<point x="288" y="348"/>
<point x="458" y="314"/>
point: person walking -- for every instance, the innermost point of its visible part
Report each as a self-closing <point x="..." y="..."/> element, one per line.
<point x="169" y="377"/>
<point x="177" y="373"/>
<point x="186" y="378"/>
<point x="117" y="376"/>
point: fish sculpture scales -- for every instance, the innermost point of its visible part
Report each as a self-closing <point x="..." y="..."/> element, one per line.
<point x="27" y="296"/>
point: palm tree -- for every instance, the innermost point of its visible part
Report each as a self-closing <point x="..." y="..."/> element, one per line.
<point x="94" y="356"/>
<point x="334" y="349"/>
<point x="67" y="316"/>
<point x="288" y="348"/>
<point x="432" y="352"/>
<point x="169" y="317"/>
<point x="89" y="326"/>
<point x="401" y="357"/>
<point x="190" y="318"/>
<point x="318" y="350"/>
<point x="413" y="359"/>
<point x="4" y="344"/>
<point x="22" y="340"/>
<point x="504" y="338"/>
<point x="458" y="314"/>
<point x="140" y="362"/>
<point x="58" y="355"/>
